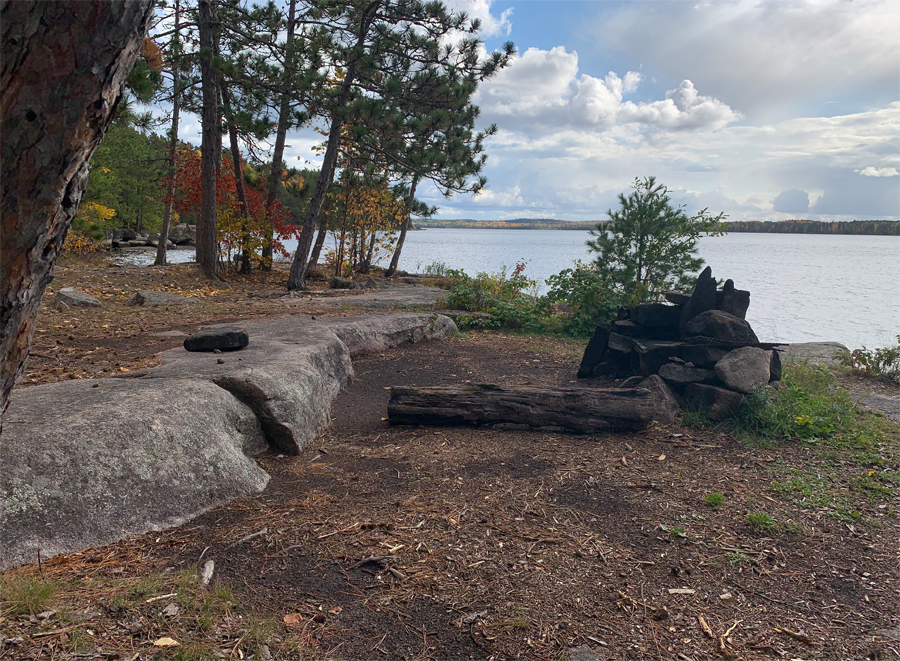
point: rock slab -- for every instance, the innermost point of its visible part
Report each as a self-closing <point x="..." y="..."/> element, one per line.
<point x="84" y="465"/>
<point x="151" y="299"/>
<point x="76" y="298"/>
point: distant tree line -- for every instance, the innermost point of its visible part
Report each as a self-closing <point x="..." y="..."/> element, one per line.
<point x="515" y="224"/>
<point x="862" y="227"/>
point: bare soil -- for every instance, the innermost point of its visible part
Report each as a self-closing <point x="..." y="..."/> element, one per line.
<point x="425" y="543"/>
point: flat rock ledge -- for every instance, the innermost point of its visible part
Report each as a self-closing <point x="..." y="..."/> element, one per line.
<point x="88" y="462"/>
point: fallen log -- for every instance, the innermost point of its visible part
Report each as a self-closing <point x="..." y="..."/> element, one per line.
<point x="582" y="410"/>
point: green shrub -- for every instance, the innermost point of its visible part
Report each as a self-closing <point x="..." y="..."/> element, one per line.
<point x="584" y="290"/>
<point x="511" y="300"/>
<point x="884" y="362"/>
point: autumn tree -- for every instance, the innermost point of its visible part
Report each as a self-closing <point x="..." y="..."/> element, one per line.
<point x="63" y="67"/>
<point x="385" y="50"/>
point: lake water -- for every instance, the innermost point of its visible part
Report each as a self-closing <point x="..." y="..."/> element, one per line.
<point x="804" y="288"/>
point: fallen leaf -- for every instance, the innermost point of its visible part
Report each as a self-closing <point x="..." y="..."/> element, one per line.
<point x="662" y="457"/>
<point x="292" y="619"/>
<point x="336" y="610"/>
<point x="166" y="642"/>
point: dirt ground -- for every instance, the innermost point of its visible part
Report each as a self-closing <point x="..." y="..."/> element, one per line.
<point x="433" y="543"/>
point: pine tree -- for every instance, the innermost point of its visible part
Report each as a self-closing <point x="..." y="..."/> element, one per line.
<point x="648" y="246"/>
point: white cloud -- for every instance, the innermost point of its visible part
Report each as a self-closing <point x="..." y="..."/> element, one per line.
<point x="764" y="56"/>
<point x="878" y="172"/>
<point x="541" y="91"/>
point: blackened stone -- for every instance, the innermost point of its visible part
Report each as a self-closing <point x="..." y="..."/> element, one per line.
<point x="703" y="355"/>
<point x="623" y="314"/>
<point x="677" y="297"/>
<point x="656" y="314"/>
<point x="744" y="369"/>
<point x="733" y="301"/>
<point x="682" y="375"/>
<point x="703" y="298"/>
<point x="717" y="403"/>
<point x="653" y="354"/>
<point x="620" y="359"/>
<point x="720" y="326"/>
<point x="626" y="328"/>
<point x="631" y="381"/>
<point x="775" y="367"/>
<point x="595" y="351"/>
<point x="222" y="339"/>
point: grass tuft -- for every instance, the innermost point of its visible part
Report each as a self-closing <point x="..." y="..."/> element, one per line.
<point x="24" y="595"/>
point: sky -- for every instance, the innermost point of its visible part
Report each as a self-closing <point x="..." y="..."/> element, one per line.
<point x="761" y="109"/>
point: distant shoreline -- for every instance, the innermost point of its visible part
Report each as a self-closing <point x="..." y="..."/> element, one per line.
<point x="852" y="228"/>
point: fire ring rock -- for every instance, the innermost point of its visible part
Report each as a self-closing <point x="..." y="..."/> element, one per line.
<point x="745" y="368"/>
<point x="222" y="339"/>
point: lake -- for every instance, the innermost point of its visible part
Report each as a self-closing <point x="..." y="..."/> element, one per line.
<point x="804" y="288"/>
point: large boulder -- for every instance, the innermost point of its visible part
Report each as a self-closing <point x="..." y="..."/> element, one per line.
<point x="84" y="466"/>
<point x="183" y="235"/>
<point x="595" y="351"/>
<point x="745" y="368"/>
<point x="720" y="326"/>
<point x="151" y="299"/>
<point x="702" y="299"/>
<point x="717" y="403"/>
<point x="77" y="299"/>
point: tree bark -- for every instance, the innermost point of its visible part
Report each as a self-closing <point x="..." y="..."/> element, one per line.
<point x="395" y="260"/>
<point x="63" y="67"/>
<point x="207" y="245"/>
<point x="582" y="410"/>
<point x="173" y="146"/>
<point x="280" y="137"/>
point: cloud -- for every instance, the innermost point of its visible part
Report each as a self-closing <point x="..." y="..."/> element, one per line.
<point x="491" y="25"/>
<point x="765" y="57"/>
<point x="791" y="201"/>
<point x="870" y="197"/>
<point x="541" y="91"/>
<point x="878" y="172"/>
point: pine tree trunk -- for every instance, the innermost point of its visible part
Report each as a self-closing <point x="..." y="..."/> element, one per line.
<point x="61" y="76"/>
<point x="173" y="149"/>
<point x="207" y="246"/>
<point x="395" y="260"/>
<point x="238" y="179"/>
<point x="297" y="277"/>
<point x="280" y="138"/>
<point x="317" y="247"/>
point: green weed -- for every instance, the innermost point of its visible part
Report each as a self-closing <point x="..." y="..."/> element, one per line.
<point x="737" y="559"/>
<point x="714" y="500"/>
<point x="761" y="522"/>
<point x="24" y="595"/>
